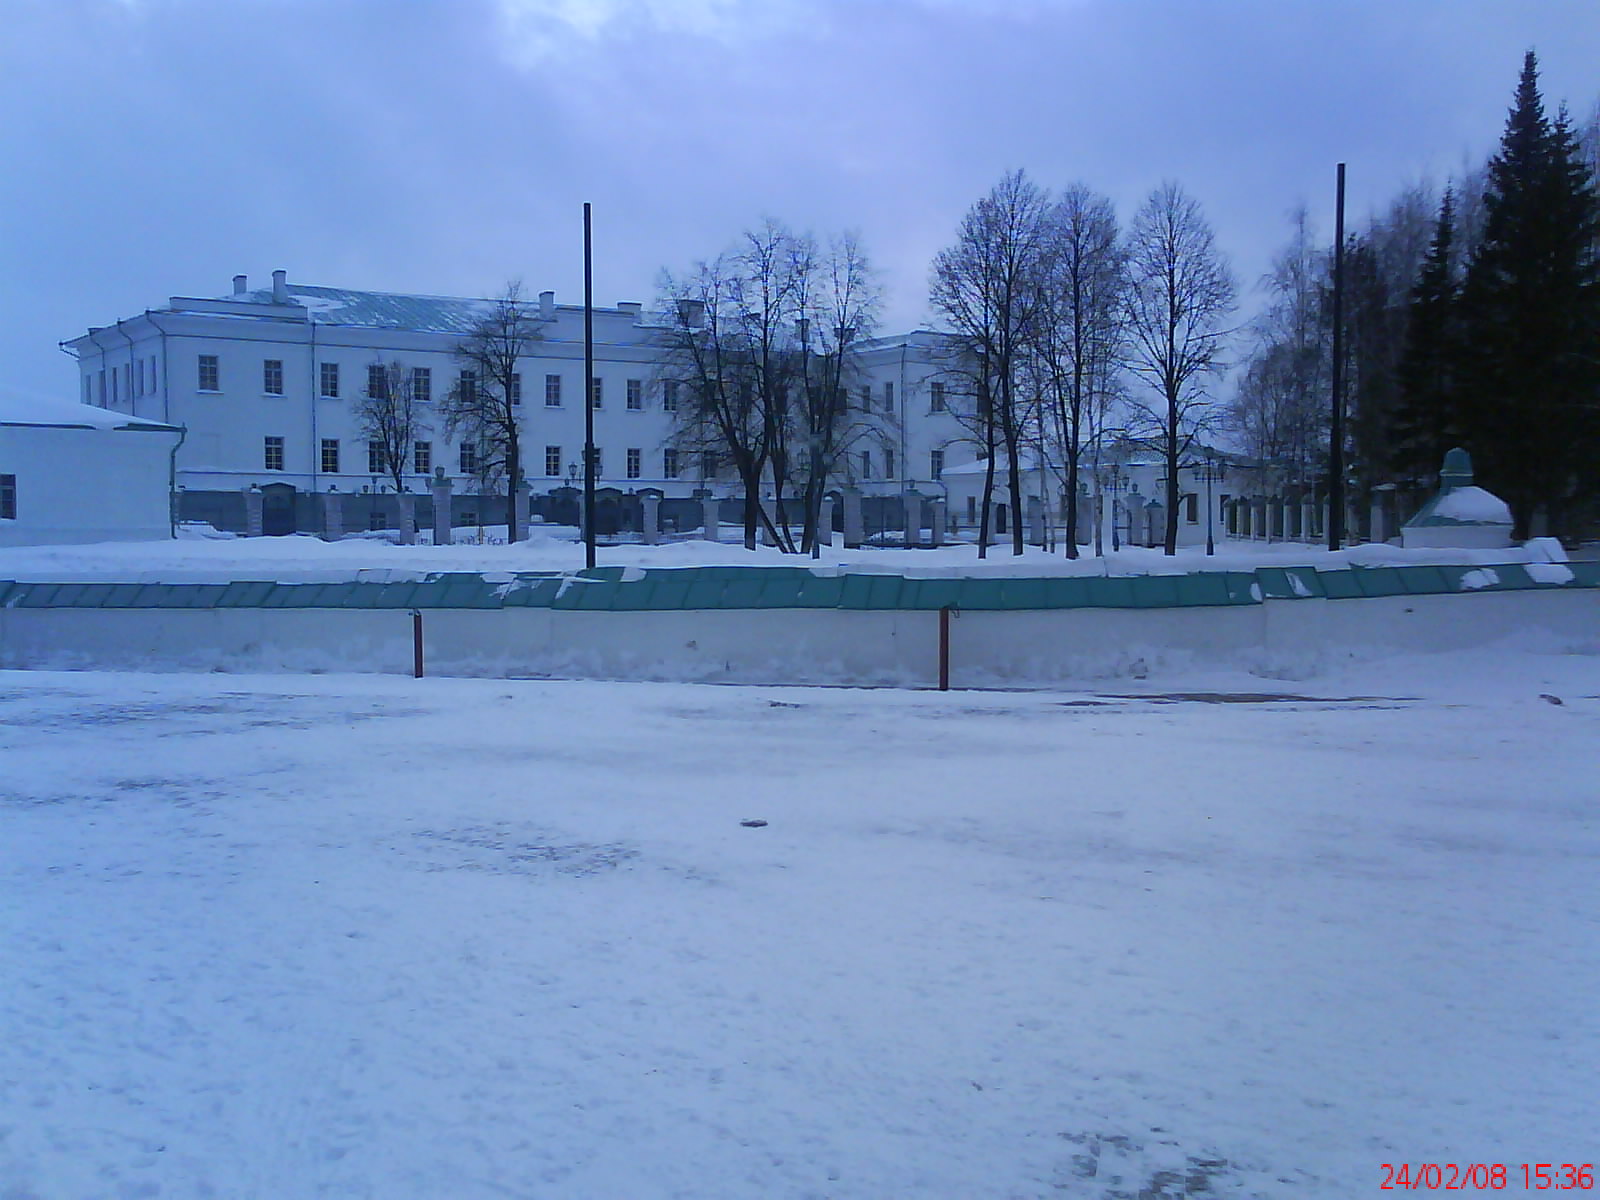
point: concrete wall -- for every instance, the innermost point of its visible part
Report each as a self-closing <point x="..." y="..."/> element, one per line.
<point x="1290" y="639"/>
<point x="86" y="485"/>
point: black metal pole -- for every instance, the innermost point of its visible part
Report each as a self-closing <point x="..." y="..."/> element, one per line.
<point x="588" y="394"/>
<point x="944" y="648"/>
<point x="1336" y="417"/>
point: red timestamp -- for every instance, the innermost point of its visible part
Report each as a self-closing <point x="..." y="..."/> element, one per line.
<point x="1488" y="1177"/>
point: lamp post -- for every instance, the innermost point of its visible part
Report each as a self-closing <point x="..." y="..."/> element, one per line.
<point x="1211" y="470"/>
<point x="1113" y="485"/>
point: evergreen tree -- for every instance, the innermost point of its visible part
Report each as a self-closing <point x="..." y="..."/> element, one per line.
<point x="1531" y="319"/>
<point x="1427" y="419"/>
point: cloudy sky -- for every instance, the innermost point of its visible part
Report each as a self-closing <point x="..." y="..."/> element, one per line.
<point x="157" y="147"/>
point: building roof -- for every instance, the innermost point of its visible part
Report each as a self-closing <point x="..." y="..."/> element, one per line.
<point x="69" y="414"/>
<point x="383" y="310"/>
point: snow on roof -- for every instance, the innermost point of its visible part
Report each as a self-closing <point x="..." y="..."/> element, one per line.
<point x="1468" y="505"/>
<point x="68" y="414"/>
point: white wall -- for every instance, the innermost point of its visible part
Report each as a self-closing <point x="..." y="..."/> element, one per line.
<point x="86" y="485"/>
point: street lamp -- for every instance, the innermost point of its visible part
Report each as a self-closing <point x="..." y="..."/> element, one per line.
<point x="1212" y="471"/>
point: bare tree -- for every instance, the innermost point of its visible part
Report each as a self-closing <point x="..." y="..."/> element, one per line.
<point x="389" y="414"/>
<point x="1279" y="413"/>
<point x="738" y="342"/>
<point x="1180" y="294"/>
<point x="1077" y="334"/>
<point x="485" y="404"/>
<point x="988" y="286"/>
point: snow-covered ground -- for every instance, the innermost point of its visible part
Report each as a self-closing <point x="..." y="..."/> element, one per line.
<point x="192" y="558"/>
<point x="346" y="936"/>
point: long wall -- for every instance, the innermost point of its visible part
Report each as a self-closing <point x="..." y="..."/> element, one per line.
<point x="1290" y="635"/>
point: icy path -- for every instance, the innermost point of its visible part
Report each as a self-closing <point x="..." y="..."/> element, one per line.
<point x="368" y="937"/>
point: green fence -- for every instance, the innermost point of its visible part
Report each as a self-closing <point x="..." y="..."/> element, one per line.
<point x="616" y="589"/>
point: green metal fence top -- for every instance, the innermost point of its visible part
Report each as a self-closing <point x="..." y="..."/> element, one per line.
<point x="634" y="589"/>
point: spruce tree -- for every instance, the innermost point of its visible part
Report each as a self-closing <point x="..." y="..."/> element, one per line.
<point x="1531" y="318"/>
<point x="1428" y="417"/>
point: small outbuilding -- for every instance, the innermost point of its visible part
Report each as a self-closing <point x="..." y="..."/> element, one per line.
<point x="75" y="473"/>
<point x="1461" y="515"/>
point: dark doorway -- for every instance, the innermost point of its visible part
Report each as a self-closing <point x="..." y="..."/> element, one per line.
<point x="277" y="509"/>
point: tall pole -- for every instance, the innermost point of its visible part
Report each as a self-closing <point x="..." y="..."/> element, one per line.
<point x="1336" y="419"/>
<point x="588" y="393"/>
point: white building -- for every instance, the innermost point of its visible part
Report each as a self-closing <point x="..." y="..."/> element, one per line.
<point x="74" y="473"/>
<point x="265" y="382"/>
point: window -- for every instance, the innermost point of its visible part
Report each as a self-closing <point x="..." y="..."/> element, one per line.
<point x="152" y="373"/>
<point x="866" y="464"/>
<point x="552" y="391"/>
<point x="272" y="376"/>
<point x="114" y="385"/>
<point x="377" y="381"/>
<point x="669" y="396"/>
<point x="552" y="458"/>
<point x="330" y="456"/>
<point x="708" y="464"/>
<point x="597" y="396"/>
<point x="669" y="464"/>
<point x="103" y="385"/>
<point x="376" y="458"/>
<point x="936" y="463"/>
<point x="598" y="469"/>
<point x="422" y="385"/>
<point x="866" y="397"/>
<point x="636" y="394"/>
<point x="329" y="380"/>
<point x="888" y="463"/>
<point x="422" y="457"/>
<point x="137" y="382"/>
<point x="1191" y="508"/>
<point x="272" y="456"/>
<point x="635" y="463"/>
<point x="516" y="389"/>
<point x="936" y="397"/>
<point x="467" y="387"/>
<point x="469" y="459"/>
<point x="8" y="497"/>
<point x="888" y="401"/>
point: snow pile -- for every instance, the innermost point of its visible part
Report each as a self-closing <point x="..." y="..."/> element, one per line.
<point x="1551" y="572"/>
<point x="1481" y="578"/>
<point x="477" y="938"/>
<point x="1473" y="505"/>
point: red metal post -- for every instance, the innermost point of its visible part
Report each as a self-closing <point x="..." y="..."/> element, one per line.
<point x="944" y="649"/>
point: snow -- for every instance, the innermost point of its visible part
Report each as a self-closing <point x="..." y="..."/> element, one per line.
<point x="1473" y="504"/>
<point x="1548" y="572"/>
<point x="195" y="557"/>
<point x="377" y="937"/>
<point x="33" y="410"/>
<point x="1482" y="578"/>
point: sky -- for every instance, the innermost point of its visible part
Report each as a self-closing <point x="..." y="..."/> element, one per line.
<point x="158" y="147"/>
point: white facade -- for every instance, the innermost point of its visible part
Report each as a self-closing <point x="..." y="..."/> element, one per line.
<point x="265" y="382"/>
<point x="70" y="473"/>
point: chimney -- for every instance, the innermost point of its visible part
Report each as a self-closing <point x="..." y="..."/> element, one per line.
<point x="629" y="308"/>
<point x="280" y="287"/>
<point x="547" y="306"/>
<point x="692" y="313"/>
<point x="241" y="284"/>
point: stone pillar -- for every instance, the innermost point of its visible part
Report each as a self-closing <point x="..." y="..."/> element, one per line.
<point x="252" y="511"/>
<point x="912" y="502"/>
<point x="938" y="521"/>
<point x="521" y="496"/>
<point x="852" y="518"/>
<point x="825" y="522"/>
<point x="443" y="528"/>
<point x="1380" y="524"/>
<point x="405" y="502"/>
<point x="651" y="504"/>
<point x="710" y="517"/>
<point x="1035" y="521"/>
<point x="332" y="514"/>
